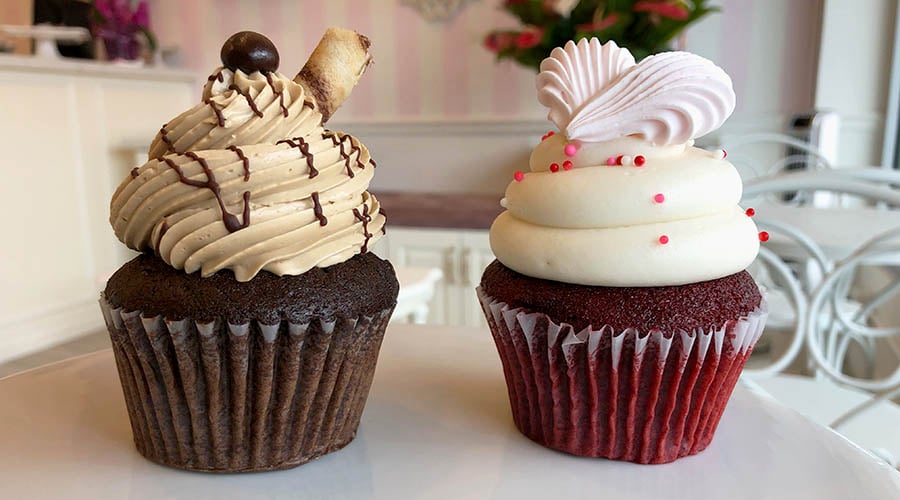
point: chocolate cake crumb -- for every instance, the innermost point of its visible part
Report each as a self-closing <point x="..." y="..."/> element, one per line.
<point x="363" y="285"/>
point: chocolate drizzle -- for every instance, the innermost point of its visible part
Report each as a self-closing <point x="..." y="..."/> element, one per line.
<point x="231" y="221"/>
<point x="317" y="209"/>
<point x="162" y="231"/>
<point x="170" y="147"/>
<point x="246" y="95"/>
<point x="216" y="76"/>
<point x="303" y="146"/>
<point x="372" y="161"/>
<point x="134" y="173"/>
<point x="243" y="158"/>
<point x="280" y="94"/>
<point x="354" y="148"/>
<point x="383" y="214"/>
<point x="217" y="111"/>
<point x="365" y="218"/>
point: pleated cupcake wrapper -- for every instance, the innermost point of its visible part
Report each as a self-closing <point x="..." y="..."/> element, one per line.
<point x="243" y="397"/>
<point x="635" y="396"/>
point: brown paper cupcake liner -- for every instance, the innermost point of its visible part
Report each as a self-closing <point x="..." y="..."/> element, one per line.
<point x="645" y="397"/>
<point x="220" y="397"/>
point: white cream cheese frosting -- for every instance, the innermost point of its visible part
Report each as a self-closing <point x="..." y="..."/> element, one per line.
<point x="248" y="180"/>
<point x="633" y="210"/>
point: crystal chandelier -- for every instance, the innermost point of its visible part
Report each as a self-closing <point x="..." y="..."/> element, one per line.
<point x="438" y="10"/>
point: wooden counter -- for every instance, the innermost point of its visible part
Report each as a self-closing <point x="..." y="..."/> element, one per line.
<point x="452" y="211"/>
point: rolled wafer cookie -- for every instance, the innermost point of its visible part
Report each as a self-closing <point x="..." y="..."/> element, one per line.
<point x="334" y="68"/>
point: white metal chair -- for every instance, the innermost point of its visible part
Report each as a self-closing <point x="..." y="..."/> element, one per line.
<point x="417" y="287"/>
<point x="830" y="325"/>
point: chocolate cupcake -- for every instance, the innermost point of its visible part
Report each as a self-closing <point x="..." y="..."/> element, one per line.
<point x="619" y="301"/>
<point x="246" y="334"/>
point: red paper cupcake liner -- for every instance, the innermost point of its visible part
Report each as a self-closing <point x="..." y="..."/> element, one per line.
<point x="219" y="397"/>
<point x="644" y="397"/>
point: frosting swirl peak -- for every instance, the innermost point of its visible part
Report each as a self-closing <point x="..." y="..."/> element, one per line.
<point x="596" y="93"/>
<point x="249" y="180"/>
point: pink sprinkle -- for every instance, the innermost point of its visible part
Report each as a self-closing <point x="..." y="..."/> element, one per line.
<point x="663" y="240"/>
<point x="554" y="167"/>
<point x="611" y="161"/>
<point x="639" y="161"/>
<point x="518" y="176"/>
<point x="570" y="150"/>
<point x="659" y="198"/>
<point x="567" y="165"/>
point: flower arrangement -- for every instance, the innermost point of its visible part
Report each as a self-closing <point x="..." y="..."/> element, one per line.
<point x="645" y="27"/>
<point x="118" y="23"/>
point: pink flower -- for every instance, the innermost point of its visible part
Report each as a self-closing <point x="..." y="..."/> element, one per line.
<point x="599" y="24"/>
<point x="118" y="15"/>
<point x="671" y="10"/>
<point x="141" y="15"/>
<point x="495" y="42"/>
<point x="529" y="38"/>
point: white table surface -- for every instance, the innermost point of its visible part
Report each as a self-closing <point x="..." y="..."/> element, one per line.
<point x="823" y="402"/>
<point x="437" y="426"/>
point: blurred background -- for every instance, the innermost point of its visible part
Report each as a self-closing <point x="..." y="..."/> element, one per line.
<point x="449" y="111"/>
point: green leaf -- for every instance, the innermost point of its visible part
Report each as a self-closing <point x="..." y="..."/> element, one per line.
<point x="531" y="12"/>
<point x="151" y="40"/>
<point x="642" y="33"/>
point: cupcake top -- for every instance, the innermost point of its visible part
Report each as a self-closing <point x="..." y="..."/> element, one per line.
<point x="248" y="179"/>
<point x="619" y="196"/>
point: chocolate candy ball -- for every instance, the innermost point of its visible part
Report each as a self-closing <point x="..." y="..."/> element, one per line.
<point x="249" y="51"/>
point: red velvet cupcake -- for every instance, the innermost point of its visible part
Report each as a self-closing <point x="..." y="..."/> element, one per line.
<point x="619" y="301"/>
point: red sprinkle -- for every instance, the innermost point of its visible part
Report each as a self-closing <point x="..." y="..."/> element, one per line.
<point x="750" y="212"/>
<point x="663" y="240"/>
<point x="724" y="154"/>
<point x="547" y="135"/>
<point x="518" y="176"/>
<point x="570" y="150"/>
<point x="567" y="165"/>
<point x="619" y="159"/>
<point x="554" y="167"/>
<point x="763" y="236"/>
<point x="639" y="161"/>
<point x="659" y="198"/>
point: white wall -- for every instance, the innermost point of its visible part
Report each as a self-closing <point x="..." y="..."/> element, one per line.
<point x="854" y="73"/>
<point x="65" y="151"/>
<point x="431" y="71"/>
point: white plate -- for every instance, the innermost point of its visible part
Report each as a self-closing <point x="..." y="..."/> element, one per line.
<point x="437" y="426"/>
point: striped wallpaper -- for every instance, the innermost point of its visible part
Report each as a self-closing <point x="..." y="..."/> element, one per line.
<point x="17" y="12"/>
<point x="427" y="71"/>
